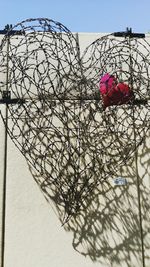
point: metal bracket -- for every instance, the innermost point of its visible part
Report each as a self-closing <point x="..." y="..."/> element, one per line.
<point x="8" y="30"/>
<point x="6" y="99"/>
<point x="129" y="33"/>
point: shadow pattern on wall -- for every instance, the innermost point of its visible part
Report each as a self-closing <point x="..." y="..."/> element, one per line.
<point x="107" y="229"/>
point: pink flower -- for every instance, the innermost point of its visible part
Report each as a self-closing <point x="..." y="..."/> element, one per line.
<point x="113" y="93"/>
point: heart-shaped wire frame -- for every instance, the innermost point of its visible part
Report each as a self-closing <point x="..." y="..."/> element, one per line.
<point x="58" y="123"/>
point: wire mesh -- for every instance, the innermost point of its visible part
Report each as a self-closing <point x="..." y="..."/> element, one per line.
<point x="70" y="142"/>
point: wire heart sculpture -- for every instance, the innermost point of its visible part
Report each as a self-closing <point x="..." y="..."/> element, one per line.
<point x="57" y="121"/>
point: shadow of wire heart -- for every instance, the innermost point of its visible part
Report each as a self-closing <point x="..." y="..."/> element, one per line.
<point x="69" y="142"/>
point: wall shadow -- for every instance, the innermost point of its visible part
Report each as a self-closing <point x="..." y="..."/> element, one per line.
<point x="108" y="229"/>
<point x="107" y="226"/>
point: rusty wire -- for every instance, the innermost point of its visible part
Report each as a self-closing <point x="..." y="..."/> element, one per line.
<point x="69" y="141"/>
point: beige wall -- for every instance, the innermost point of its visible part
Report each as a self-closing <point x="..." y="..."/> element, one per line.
<point x="2" y="153"/>
<point x="105" y="234"/>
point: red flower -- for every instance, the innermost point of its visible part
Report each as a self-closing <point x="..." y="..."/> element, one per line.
<point x="113" y="93"/>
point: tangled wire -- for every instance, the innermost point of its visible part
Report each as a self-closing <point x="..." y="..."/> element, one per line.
<point x="57" y="121"/>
